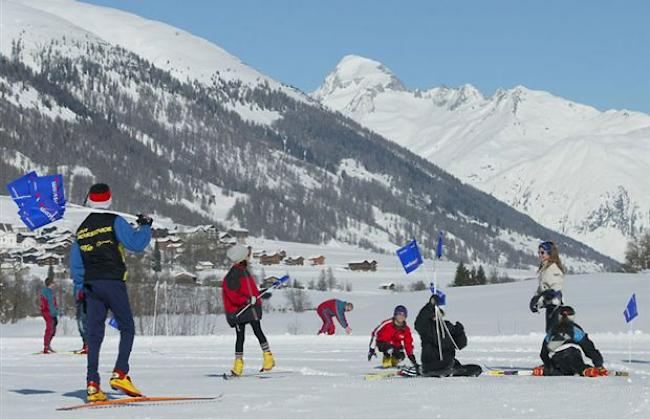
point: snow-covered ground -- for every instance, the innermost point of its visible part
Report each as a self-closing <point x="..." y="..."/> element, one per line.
<point x="326" y="373"/>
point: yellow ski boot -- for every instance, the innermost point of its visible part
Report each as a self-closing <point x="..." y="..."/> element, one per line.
<point x="238" y="368"/>
<point x="269" y="362"/>
<point x="394" y="361"/>
<point x="386" y="362"/>
<point x="94" y="393"/>
<point x="121" y="381"/>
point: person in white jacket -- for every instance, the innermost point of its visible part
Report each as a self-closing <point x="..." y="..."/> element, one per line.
<point x="551" y="280"/>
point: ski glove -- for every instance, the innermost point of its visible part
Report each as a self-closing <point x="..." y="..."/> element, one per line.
<point x="144" y="220"/>
<point x="534" y="303"/>
<point x="371" y="353"/>
<point x="252" y="300"/>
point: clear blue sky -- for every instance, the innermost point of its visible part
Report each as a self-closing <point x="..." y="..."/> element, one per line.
<point x="595" y="52"/>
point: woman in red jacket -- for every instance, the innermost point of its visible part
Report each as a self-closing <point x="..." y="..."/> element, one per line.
<point x="243" y="306"/>
<point x="393" y="337"/>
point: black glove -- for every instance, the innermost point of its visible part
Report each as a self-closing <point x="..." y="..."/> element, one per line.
<point x="371" y="353"/>
<point x="144" y="220"/>
<point x="413" y="360"/>
<point x="533" y="303"/>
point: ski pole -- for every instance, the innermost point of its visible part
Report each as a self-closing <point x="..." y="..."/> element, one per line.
<point x="276" y="284"/>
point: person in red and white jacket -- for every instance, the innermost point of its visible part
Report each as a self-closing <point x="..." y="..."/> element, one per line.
<point x="242" y="304"/>
<point x="393" y="338"/>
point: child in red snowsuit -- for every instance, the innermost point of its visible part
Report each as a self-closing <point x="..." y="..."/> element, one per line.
<point x="50" y="312"/>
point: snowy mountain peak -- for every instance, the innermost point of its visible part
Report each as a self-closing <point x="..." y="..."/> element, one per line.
<point x="360" y="74"/>
<point x="500" y="144"/>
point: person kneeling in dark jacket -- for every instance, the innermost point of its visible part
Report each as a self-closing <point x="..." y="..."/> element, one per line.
<point x="563" y="347"/>
<point x="440" y="339"/>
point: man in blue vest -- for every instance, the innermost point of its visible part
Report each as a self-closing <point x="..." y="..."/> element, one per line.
<point x="98" y="269"/>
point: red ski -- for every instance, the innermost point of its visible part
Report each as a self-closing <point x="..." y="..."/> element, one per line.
<point x="128" y="401"/>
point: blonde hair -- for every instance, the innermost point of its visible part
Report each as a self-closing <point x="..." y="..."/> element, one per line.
<point x="554" y="257"/>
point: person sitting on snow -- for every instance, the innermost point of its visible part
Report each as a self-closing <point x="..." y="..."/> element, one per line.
<point x="333" y="308"/>
<point x="393" y="337"/>
<point x="564" y="346"/>
<point x="440" y="340"/>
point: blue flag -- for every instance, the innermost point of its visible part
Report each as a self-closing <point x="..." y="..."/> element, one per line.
<point x="113" y="323"/>
<point x="280" y="281"/>
<point x="410" y="256"/>
<point x="439" y="246"/>
<point x="442" y="297"/>
<point x="630" y="311"/>
<point x="48" y="188"/>
<point x="20" y="190"/>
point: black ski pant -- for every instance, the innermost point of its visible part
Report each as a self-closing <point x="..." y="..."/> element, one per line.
<point x="457" y="370"/>
<point x="566" y="362"/>
<point x="551" y="317"/>
<point x="390" y="351"/>
<point x="241" y="332"/>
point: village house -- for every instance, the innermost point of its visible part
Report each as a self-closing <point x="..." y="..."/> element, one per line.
<point x="295" y="261"/>
<point x="8" y="237"/>
<point x="317" y="260"/>
<point x="363" y="266"/>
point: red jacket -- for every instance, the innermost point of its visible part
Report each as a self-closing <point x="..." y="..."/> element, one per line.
<point x="398" y="336"/>
<point x="238" y="286"/>
<point x="49" y="308"/>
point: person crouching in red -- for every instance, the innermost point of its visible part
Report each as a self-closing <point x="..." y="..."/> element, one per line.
<point x="393" y="338"/>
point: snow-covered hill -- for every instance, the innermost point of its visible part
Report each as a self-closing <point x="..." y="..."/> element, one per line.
<point x="569" y="166"/>
<point x="180" y="128"/>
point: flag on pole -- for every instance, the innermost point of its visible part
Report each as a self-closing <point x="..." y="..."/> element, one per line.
<point x="439" y="246"/>
<point x="113" y="323"/>
<point x="441" y="296"/>
<point x="630" y="311"/>
<point x="410" y="256"/>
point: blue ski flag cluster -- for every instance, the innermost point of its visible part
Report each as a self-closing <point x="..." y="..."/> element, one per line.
<point x="410" y="256"/>
<point x="40" y="199"/>
<point x="630" y="311"/>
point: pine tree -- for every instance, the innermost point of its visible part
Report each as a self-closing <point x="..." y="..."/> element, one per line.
<point x="462" y="276"/>
<point x="331" y="280"/>
<point x="321" y="285"/>
<point x="481" y="279"/>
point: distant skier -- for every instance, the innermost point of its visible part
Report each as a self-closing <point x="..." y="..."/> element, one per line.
<point x="97" y="262"/>
<point x="393" y="338"/>
<point x="329" y="309"/>
<point x="564" y="346"/>
<point x="441" y="337"/>
<point x="240" y="294"/>
<point x="50" y="312"/>
<point x="551" y="280"/>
